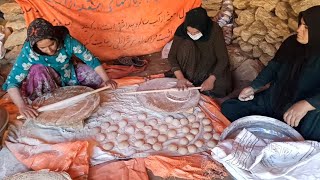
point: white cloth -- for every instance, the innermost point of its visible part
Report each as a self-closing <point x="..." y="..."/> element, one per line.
<point x="2" y="49"/>
<point x="248" y="157"/>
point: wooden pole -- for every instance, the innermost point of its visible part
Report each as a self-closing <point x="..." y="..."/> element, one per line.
<point x="159" y="90"/>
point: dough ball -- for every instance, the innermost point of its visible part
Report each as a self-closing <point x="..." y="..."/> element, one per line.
<point x="162" y="138"/>
<point x="216" y="136"/>
<point x="113" y="128"/>
<point x="211" y="144"/>
<point x="140" y="124"/>
<point x="172" y="133"/>
<point x="122" y="137"/>
<point x="108" y="146"/>
<point x="105" y="125"/>
<point x="146" y="147"/>
<point x="195" y="125"/>
<point x="154" y="133"/>
<point x="182" y="150"/>
<point x="176" y="122"/>
<point x="147" y="129"/>
<point x="184" y="141"/>
<point x="184" y="121"/>
<point x="163" y="128"/>
<point x="200" y="115"/>
<point x="206" y="121"/>
<point x="112" y="135"/>
<point x="115" y="115"/>
<point x="122" y="123"/>
<point x="152" y="140"/>
<point x="172" y="147"/>
<point x="123" y="145"/>
<point x="199" y="143"/>
<point x="192" y="149"/>
<point x="100" y="137"/>
<point x="139" y="135"/>
<point x="194" y="131"/>
<point x="138" y="143"/>
<point x="153" y="122"/>
<point x="130" y="129"/>
<point x="207" y="128"/>
<point x="190" y="137"/>
<point x="157" y="146"/>
<point x="207" y="136"/>
<point x="142" y="116"/>
<point x="191" y="118"/>
<point x="95" y="130"/>
<point x="169" y="119"/>
<point x="185" y="129"/>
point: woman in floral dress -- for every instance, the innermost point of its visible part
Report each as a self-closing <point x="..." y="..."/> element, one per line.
<point x="45" y="63"/>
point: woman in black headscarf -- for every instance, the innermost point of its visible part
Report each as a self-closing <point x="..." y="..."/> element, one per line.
<point x="293" y="74"/>
<point x="199" y="56"/>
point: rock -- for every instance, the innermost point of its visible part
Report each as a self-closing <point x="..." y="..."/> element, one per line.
<point x="267" y="5"/>
<point x="16" y="25"/>
<point x="11" y="8"/>
<point x="206" y="2"/>
<point x="248" y="70"/>
<point x="278" y="26"/>
<point x="256" y="39"/>
<point x="245" y="35"/>
<point x="262" y="15"/>
<point x="245" y="17"/>
<point x="281" y="10"/>
<point x="258" y="27"/>
<point x="241" y="4"/>
<point x="236" y="56"/>
<point x="256" y="52"/>
<point x="265" y="58"/>
<point x="212" y="13"/>
<point x="302" y="5"/>
<point x="237" y="30"/>
<point x="14" y="17"/>
<point x="244" y="46"/>
<point x="267" y="48"/>
<point x="293" y="24"/>
<point x="211" y="6"/>
<point x="272" y="40"/>
<point x="13" y="54"/>
<point x="15" y="39"/>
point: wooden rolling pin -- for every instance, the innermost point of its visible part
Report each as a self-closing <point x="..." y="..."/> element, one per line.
<point x="66" y="102"/>
<point x="160" y="90"/>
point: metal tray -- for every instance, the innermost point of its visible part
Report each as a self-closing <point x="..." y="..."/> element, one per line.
<point x="263" y="127"/>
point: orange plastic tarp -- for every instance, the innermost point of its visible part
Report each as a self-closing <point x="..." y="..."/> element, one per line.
<point x="112" y="28"/>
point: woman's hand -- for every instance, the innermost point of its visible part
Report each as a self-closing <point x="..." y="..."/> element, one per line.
<point x="27" y="111"/>
<point x="296" y="112"/>
<point x="246" y="94"/>
<point x="183" y="84"/>
<point x="208" y="84"/>
<point x="110" y="83"/>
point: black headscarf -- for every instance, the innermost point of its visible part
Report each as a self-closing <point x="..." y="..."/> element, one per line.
<point x="196" y="18"/>
<point x="295" y="55"/>
<point x="40" y="29"/>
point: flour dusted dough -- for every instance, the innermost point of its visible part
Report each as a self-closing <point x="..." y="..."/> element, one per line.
<point x="40" y="175"/>
<point x="172" y="133"/>
<point x="195" y="125"/>
<point x="199" y="143"/>
<point x="112" y="135"/>
<point x="182" y="150"/>
<point x="190" y="137"/>
<point x="123" y="145"/>
<point x="100" y="137"/>
<point x="207" y="128"/>
<point x="172" y="147"/>
<point x="216" y="136"/>
<point x="95" y="130"/>
<point x="139" y="135"/>
<point x="176" y="122"/>
<point x="142" y="116"/>
<point x="153" y="122"/>
<point x="108" y="146"/>
<point x="157" y="146"/>
<point x="200" y="115"/>
<point x="191" y="118"/>
<point x="105" y="125"/>
<point x="185" y="129"/>
<point x="211" y="144"/>
<point x="192" y="149"/>
<point x="163" y="128"/>
<point x="154" y="133"/>
<point x="207" y="136"/>
<point x="194" y="131"/>
<point x="184" y="121"/>
<point x="140" y="124"/>
<point x="152" y="140"/>
<point x="162" y="138"/>
<point x="122" y="137"/>
<point x="206" y="121"/>
<point x="122" y="123"/>
<point x="138" y="143"/>
<point x="130" y="129"/>
<point x="146" y="147"/>
<point x="184" y="141"/>
<point x="115" y="115"/>
<point x="147" y="129"/>
<point x="113" y="128"/>
<point x="168" y="119"/>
